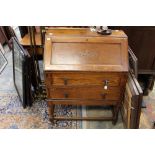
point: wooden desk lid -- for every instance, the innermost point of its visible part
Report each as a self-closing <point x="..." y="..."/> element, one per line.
<point x="86" y="53"/>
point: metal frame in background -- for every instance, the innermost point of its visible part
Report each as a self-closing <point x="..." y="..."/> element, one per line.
<point x="24" y="100"/>
<point x="3" y="56"/>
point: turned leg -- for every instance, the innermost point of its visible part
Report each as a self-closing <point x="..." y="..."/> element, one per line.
<point x="51" y="112"/>
<point x="115" y="114"/>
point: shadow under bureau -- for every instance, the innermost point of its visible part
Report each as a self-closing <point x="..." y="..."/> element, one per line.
<point x="85" y="68"/>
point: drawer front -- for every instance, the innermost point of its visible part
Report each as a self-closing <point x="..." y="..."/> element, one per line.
<point x="83" y="79"/>
<point x="84" y="93"/>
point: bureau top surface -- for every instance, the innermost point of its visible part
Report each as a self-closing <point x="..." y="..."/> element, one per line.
<point x="83" y="50"/>
<point x="82" y="32"/>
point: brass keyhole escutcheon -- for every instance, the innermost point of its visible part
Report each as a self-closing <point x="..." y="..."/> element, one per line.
<point x="65" y="81"/>
<point x="103" y="96"/>
<point x="66" y="95"/>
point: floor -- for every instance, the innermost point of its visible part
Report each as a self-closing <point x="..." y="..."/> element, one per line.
<point x="147" y="118"/>
<point x="14" y="116"/>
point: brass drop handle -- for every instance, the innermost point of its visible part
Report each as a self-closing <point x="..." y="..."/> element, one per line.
<point x="66" y="95"/>
<point x="103" y="96"/>
<point x="65" y="81"/>
<point x="106" y="84"/>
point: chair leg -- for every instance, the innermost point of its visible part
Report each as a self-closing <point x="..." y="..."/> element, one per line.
<point x="51" y="112"/>
<point x="115" y="114"/>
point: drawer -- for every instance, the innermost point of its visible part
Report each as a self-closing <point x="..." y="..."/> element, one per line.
<point x="99" y="93"/>
<point x="83" y="79"/>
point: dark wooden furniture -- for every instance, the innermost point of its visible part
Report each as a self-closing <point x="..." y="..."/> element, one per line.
<point x="6" y="33"/>
<point x="2" y="37"/>
<point x="131" y="105"/>
<point x="26" y="43"/>
<point x="133" y="96"/>
<point x="142" y="42"/>
<point x="84" y="68"/>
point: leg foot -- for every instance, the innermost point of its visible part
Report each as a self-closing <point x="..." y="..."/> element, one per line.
<point x="115" y="114"/>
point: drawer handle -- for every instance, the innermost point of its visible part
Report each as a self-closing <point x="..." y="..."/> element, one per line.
<point x="65" y="81"/>
<point x="106" y="84"/>
<point x="103" y="96"/>
<point x="66" y="95"/>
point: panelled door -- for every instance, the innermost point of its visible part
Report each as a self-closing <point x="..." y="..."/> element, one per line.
<point x="131" y="105"/>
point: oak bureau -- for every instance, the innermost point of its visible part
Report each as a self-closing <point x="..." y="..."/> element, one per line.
<point x="85" y="68"/>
